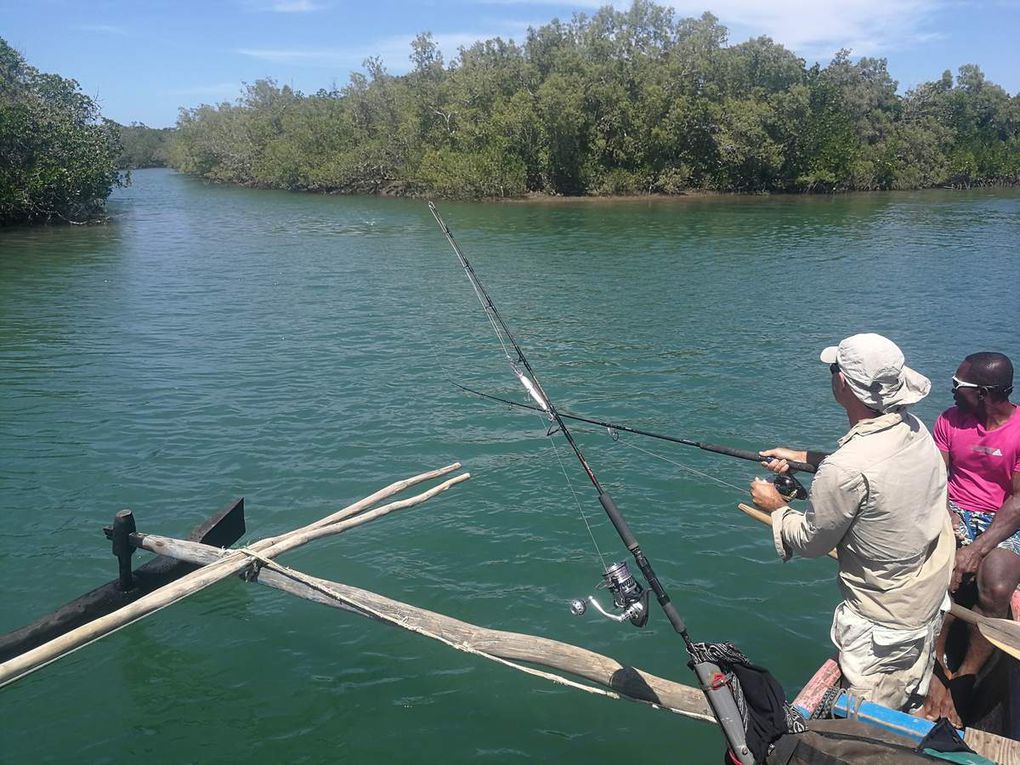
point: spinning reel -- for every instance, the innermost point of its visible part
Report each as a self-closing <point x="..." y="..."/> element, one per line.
<point x="629" y="597"/>
<point x="789" y="487"/>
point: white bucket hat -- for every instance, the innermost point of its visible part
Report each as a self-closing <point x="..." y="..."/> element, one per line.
<point x="873" y="366"/>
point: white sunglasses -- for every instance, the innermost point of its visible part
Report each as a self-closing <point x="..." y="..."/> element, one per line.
<point x="957" y="384"/>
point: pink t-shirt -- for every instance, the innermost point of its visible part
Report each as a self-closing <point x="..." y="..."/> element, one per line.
<point x="981" y="462"/>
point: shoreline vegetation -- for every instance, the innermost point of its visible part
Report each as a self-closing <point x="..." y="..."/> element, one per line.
<point x="634" y="104"/>
<point x="56" y="153"/>
<point x="619" y="103"/>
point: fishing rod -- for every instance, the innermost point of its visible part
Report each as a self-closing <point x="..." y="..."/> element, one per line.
<point x="786" y="484"/>
<point x="629" y="597"/>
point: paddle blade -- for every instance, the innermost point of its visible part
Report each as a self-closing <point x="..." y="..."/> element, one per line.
<point x="1002" y="633"/>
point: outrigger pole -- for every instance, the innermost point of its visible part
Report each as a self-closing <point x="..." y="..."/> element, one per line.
<point x="627" y="592"/>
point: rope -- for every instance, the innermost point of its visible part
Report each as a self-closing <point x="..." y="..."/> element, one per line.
<point x="824" y="709"/>
<point x="258" y="561"/>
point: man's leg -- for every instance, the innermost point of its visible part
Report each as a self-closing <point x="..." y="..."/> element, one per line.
<point x="888" y="667"/>
<point x="939" y="703"/>
<point x="998" y="577"/>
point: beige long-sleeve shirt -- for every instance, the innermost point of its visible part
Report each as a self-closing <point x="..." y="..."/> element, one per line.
<point x="880" y="500"/>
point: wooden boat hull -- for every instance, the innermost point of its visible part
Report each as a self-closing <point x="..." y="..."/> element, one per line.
<point x="1003" y="723"/>
<point x="221" y="529"/>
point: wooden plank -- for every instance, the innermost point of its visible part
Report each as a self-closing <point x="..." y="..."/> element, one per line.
<point x="810" y="695"/>
<point x="996" y="748"/>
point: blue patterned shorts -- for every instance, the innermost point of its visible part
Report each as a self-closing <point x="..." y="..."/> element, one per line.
<point x="976" y="523"/>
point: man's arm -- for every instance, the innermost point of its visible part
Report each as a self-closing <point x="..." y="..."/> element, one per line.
<point x="952" y="516"/>
<point x="1003" y="526"/>
<point x="835" y="500"/>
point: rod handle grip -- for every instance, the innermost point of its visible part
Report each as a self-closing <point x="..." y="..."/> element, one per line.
<point x="744" y="454"/>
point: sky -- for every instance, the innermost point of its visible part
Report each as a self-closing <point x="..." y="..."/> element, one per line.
<point x="143" y="60"/>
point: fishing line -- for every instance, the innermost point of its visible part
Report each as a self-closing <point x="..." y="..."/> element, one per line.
<point x="680" y="465"/>
<point x="630" y="599"/>
<point x="438" y="359"/>
<point x="613" y="434"/>
<point x="577" y="501"/>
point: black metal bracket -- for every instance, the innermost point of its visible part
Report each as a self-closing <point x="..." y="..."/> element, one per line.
<point x="123" y="528"/>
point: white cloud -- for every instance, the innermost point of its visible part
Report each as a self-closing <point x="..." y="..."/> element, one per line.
<point x="106" y="29"/>
<point x="281" y="6"/>
<point x="299" y="56"/>
<point x="817" y="30"/>
<point x="295" y="6"/>
<point x="812" y="29"/>
<point x="394" y="51"/>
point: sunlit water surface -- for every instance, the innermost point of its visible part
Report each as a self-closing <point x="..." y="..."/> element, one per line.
<point x="298" y="350"/>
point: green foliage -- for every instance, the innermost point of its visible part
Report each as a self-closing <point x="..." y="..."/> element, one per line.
<point x="142" y="146"/>
<point x="56" y="157"/>
<point x="485" y="173"/>
<point x="620" y="102"/>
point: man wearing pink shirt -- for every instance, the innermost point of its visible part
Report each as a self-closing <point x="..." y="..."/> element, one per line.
<point x="980" y="440"/>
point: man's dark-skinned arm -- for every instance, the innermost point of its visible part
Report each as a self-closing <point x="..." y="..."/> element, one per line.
<point x="1003" y="526"/>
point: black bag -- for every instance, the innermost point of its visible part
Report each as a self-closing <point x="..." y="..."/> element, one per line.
<point x="849" y="742"/>
<point x="759" y="696"/>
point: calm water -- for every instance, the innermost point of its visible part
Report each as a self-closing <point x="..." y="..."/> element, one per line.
<point x="298" y="350"/>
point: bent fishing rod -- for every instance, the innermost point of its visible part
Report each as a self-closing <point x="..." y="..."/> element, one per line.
<point x="628" y="595"/>
<point x="742" y="454"/>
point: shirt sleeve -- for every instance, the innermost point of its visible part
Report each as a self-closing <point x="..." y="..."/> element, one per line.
<point x="942" y="433"/>
<point x="836" y="497"/>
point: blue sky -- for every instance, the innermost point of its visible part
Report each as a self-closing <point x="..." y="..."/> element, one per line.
<point x="144" y="59"/>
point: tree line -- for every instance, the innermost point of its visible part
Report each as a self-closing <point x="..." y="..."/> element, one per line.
<point x="142" y="146"/>
<point x="57" y="157"/>
<point x="619" y="102"/>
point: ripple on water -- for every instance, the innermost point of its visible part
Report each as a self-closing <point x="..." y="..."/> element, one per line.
<point x="299" y="350"/>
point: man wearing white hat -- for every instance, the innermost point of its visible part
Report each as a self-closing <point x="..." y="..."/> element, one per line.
<point x="880" y="501"/>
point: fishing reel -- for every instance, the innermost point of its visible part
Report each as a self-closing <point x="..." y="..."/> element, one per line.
<point x="629" y="597"/>
<point x="789" y="487"/>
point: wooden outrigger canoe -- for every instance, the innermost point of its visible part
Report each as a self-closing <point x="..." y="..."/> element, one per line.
<point x="992" y="737"/>
<point x="221" y="529"/>
<point x="570" y="665"/>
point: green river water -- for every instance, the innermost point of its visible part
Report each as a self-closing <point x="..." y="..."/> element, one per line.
<point x="298" y="350"/>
